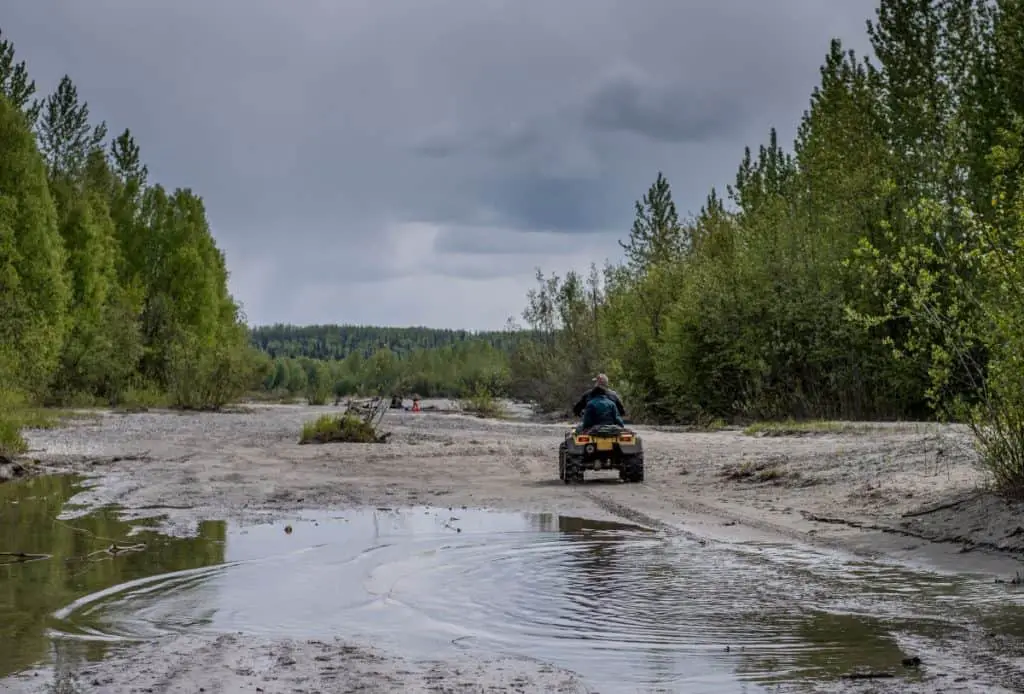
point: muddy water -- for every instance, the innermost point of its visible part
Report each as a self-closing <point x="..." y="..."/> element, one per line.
<point x="624" y="606"/>
<point x="47" y="562"/>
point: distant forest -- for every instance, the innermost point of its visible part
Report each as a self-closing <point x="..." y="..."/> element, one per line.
<point x="339" y="341"/>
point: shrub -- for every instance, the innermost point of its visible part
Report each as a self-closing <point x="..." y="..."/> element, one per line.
<point x="483" y="403"/>
<point x="346" y="428"/>
<point x="12" y="443"/>
<point x="208" y="377"/>
<point x="319" y="384"/>
<point x="15" y="415"/>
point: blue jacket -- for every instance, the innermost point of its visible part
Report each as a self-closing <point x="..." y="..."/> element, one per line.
<point x="601" y="409"/>
<point x="577" y="409"/>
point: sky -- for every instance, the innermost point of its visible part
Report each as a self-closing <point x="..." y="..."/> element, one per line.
<point x="413" y="162"/>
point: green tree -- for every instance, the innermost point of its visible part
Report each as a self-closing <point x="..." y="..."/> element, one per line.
<point x="65" y="135"/>
<point x="656" y="236"/>
<point x="100" y="354"/>
<point x="33" y="285"/>
<point x="15" y="83"/>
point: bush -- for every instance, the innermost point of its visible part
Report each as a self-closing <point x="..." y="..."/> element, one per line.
<point x="207" y="378"/>
<point x="16" y="414"/>
<point x="142" y="398"/>
<point x="12" y="443"/>
<point x="483" y="403"/>
<point x="346" y="428"/>
<point x="319" y="384"/>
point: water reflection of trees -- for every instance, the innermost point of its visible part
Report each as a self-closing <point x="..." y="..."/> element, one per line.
<point x="827" y="645"/>
<point x="30" y="592"/>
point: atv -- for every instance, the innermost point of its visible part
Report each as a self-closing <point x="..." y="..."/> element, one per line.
<point x="604" y="447"/>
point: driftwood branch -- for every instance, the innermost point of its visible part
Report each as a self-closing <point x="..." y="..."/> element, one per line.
<point x="21" y="557"/>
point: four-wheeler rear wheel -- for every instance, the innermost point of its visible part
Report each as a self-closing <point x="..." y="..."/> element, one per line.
<point x="632" y="469"/>
<point x="573" y="470"/>
<point x="570" y="468"/>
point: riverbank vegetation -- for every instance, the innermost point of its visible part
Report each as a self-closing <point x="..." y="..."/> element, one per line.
<point x="110" y="285"/>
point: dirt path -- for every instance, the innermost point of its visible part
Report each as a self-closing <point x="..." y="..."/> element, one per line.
<point x="870" y="490"/>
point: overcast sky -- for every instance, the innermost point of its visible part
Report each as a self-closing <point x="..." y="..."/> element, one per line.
<point x="410" y="162"/>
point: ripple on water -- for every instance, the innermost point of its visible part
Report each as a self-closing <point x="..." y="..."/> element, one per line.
<point x="622" y="605"/>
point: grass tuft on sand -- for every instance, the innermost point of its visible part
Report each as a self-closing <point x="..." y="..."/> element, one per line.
<point x="345" y="428"/>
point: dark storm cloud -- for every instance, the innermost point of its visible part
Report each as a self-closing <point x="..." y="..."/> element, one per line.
<point x="622" y="102"/>
<point x="671" y="113"/>
<point x="337" y="144"/>
<point x="568" y="205"/>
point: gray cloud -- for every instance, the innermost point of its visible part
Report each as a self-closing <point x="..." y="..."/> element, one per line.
<point x="631" y="103"/>
<point x="409" y="162"/>
<point x="540" y="202"/>
<point x="499" y="242"/>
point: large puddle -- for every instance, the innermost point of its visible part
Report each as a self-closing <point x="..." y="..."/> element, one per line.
<point x="623" y="606"/>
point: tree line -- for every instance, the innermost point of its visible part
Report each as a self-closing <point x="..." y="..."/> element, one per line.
<point x="873" y="270"/>
<point x="110" y="284"/>
<point x="339" y="341"/>
<point x="320" y="362"/>
<point x="463" y="369"/>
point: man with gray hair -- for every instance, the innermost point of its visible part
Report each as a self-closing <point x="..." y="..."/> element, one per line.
<point x="600" y="388"/>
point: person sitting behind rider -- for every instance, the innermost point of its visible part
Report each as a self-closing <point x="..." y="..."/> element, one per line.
<point x="601" y="410"/>
<point x="600" y="406"/>
<point x="600" y="388"/>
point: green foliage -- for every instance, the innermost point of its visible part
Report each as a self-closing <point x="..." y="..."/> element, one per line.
<point x="451" y="371"/>
<point x="12" y="443"/>
<point x="111" y="290"/>
<point x="481" y="402"/>
<point x="346" y="428"/>
<point x="15" y="84"/>
<point x="565" y="314"/>
<point x="34" y="289"/>
<point x="18" y="413"/>
<point x="12" y="405"/>
<point x="330" y="342"/>
<point x="319" y="384"/>
<point x="143" y="398"/>
<point x="961" y="299"/>
<point x="207" y="377"/>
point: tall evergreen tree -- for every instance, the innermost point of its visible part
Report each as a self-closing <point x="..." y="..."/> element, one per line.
<point x="65" y="135"/>
<point x="15" y="83"/>
<point x="656" y="236"/>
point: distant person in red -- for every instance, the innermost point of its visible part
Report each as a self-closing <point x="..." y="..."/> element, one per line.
<point x="415" y="404"/>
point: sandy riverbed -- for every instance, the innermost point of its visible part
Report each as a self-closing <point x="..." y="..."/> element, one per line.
<point x="870" y="490"/>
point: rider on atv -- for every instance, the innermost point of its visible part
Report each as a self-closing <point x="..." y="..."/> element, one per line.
<point x="600" y="405"/>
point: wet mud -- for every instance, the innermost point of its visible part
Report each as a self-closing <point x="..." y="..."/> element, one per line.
<point x="210" y="551"/>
